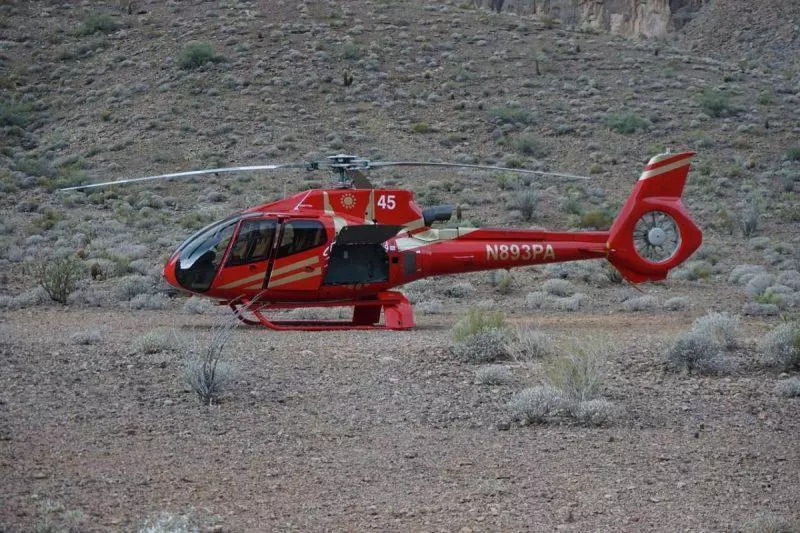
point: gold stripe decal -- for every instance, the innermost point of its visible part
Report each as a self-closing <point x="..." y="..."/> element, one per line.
<point x="295" y="277"/>
<point x="661" y="170"/>
<point x="243" y="281"/>
<point x="294" y="266"/>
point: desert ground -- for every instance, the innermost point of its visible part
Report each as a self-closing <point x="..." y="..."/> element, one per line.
<point x="695" y="380"/>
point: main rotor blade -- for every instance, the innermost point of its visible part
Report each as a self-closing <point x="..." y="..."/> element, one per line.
<point x="309" y="166"/>
<point x="483" y="167"/>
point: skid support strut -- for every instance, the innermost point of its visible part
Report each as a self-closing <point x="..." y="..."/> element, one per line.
<point x="397" y="313"/>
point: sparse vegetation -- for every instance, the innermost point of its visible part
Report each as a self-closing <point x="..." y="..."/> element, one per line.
<point x="530" y="344"/>
<point x="87" y="337"/>
<point x="534" y="404"/>
<point x="781" y="347"/>
<point x="577" y="374"/>
<point x="196" y="54"/>
<point x="59" y="277"/>
<point x="599" y="219"/>
<point x="721" y="328"/>
<point x="493" y="375"/>
<point x="510" y="115"/>
<point x="628" y="123"/>
<point x="526" y="202"/>
<point x="207" y="372"/>
<point x="695" y="353"/>
<point x="97" y="23"/>
<point x="769" y="523"/>
<point x="789" y="388"/>
<point x="715" y="103"/>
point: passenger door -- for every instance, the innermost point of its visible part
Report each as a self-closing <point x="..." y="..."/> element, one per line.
<point x="298" y="256"/>
<point x="248" y="259"/>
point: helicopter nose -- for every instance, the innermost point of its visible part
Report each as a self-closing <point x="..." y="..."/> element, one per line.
<point x="169" y="271"/>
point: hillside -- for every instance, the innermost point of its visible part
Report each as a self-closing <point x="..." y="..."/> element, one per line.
<point x="391" y="430"/>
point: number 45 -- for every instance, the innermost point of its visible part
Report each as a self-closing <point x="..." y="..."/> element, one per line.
<point x="386" y="201"/>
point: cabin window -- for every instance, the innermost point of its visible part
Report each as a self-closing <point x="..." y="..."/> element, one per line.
<point x="299" y="236"/>
<point x="253" y="243"/>
<point x="201" y="256"/>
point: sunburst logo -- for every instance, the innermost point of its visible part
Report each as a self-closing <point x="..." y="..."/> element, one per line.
<point x="348" y="201"/>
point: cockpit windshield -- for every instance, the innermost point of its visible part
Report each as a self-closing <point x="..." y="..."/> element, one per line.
<point x="200" y="255"/>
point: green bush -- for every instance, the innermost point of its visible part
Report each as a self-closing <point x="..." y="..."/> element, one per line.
<point x="526" y="202"/>
<point x="420" y="127"/>
<point x="629" y="123"/>
<point x="578" y="375"/>
<point x="510" y="115"/>
<point x="599" y="219"/>
<point x="196" y="54"/>
<point x="96" y="23"/>
<point x="526" y="144"/>
<point x="793" y="153"/>
<point x="715" y="103"/>
<point x="14" y="114"/>
<point x="477" y="320"/>
<point x="59" y="277"/>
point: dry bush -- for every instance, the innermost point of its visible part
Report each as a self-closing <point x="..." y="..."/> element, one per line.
<point x="59" y="277"/>
<point x="678" y="303"/>
<point x="461" y="289"/>
<point x="769" y="523"/>
<point x="493" y="375"/>
<point x="781" y="346"/>
<point x="558" y="287"/>
<point x="721" y="328"/>
<point x="742" y="274"/>
<point x="430" y="307"/>
<point x="534" y="404"/>
<point x="197" y="305"/>
<point x="788" y="387"/>
<point x="529" y="344"/>
<point x="641" y="303"/>
<point x="484" y="346"/>
<point x="149" y="301"/>
<point x="695" y="352"/>
<point x="159" y="340"/>
<point x="594" y="412"/>
<point x="578" y="374"/>
<point x="87" y="337"/>
<point x="206" y="372"/>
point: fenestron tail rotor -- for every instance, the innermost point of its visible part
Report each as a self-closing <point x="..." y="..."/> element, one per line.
<point x="656" y="237"/>
<point x="349" y="169"/>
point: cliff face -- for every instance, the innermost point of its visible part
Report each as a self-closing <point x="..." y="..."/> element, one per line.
<point x="637" y="18"/>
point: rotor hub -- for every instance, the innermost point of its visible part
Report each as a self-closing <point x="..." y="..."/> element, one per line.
<point x="657" y="236"/>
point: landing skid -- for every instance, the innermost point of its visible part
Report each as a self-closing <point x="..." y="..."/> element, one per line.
<point x="397" y="312"/>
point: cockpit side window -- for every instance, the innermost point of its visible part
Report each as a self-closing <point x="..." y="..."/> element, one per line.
<point x="253" y="243"/>
<point x="299" y="236"/>
<point x="201" y="256"/>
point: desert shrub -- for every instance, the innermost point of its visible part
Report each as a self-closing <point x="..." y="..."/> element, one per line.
<point x="510" y="115"/>
<point x="594" y="412"/>
<point x="460" y="289"/>
<point x="420" y="127"/>
<point x="493" y="375"/>
<point x="96" y="23"/>
<point x="793" y="153"/>
<point x="168" y="523"/>
<point x="477" y="320"/>
<point x="132" y="286"/>
<point x="759" y="309"/>
<point x="715" y="103"/>
<point x="536" y="299"/>
<point x="59" y="277"/>
<point x="788" y="387"/>
<point x="430" y="307"/>
<point x="197" y="305"/>
<point x="534" y="404"/>
<point x="483" y="346"/>
<point x="149" y="301"/>
<point x="570" y="304"/>
<point x="599" y="219"/>
<point x="769" y="523"/>
<point x="781" y="346"/>
<point x="529" y="344"/>
<point x="790" y="278"/>
<point x="721" y="328"/>
<point x="742" y="274"/>
<point x="206" y="371"/>
<point x="758" y="284"/>
<point x="158" y="340"/>
<point x="526" y="144"/>
<point x="641" y="303"/>
<point x="558" y="287"/>
<point x="694" y="352"/>
<point x="577" y="374"/>
<point x="628" y="123"/>
<point x="196" y="54"/>
<point x="749" y="220"/>
<point x="526" y="202"/>
<point x="14" y="114"/>
<point x="678" y="303"/>
<point x="87" y="337"/>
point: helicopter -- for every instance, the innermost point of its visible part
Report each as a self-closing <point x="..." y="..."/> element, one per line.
<point x="349" y="245"/>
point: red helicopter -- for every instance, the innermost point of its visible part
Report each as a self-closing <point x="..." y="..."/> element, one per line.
<point x="348" y="246"/>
